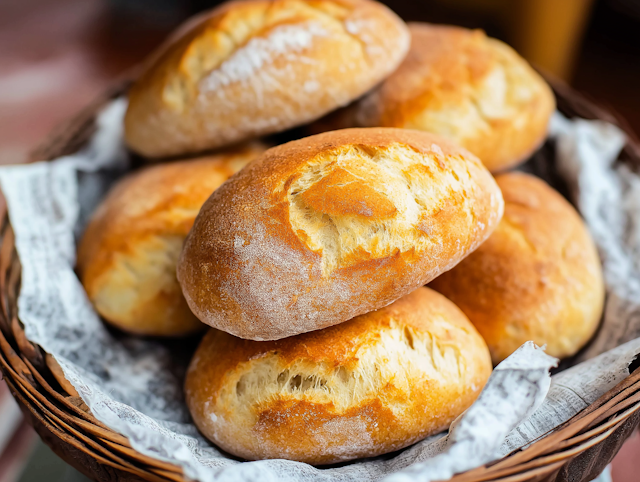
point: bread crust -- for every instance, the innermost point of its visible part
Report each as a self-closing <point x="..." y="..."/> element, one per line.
<point x="372" y="385"/>
<point x="322" y="229"/>
<point x="254" y="67"/>
<point x="129" y="250"/>
<point x="538" y="277"/>
<point x="470" y="88"/>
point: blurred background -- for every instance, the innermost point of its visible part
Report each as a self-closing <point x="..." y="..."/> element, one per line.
<point x="56" y="56"/>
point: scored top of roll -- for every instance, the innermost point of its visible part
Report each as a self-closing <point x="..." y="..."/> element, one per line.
<point x="322" y="229"/>
<point x="254" y="67"/>
<point x="470" y="88"/>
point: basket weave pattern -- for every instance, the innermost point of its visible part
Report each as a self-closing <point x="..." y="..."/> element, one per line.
<point x="576" y="451"/>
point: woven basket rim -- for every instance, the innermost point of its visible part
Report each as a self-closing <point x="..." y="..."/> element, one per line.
<point x="585" y="443"/>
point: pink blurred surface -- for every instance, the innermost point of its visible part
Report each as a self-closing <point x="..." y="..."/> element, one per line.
<point x="55" y="57"/>
<point x="47" y="69"/>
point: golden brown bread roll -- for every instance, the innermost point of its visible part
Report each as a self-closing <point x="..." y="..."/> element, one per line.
<point x="372" y="385"/>
<point x="463" y="85"/>
<point x="260" y="66"/>
<point x="127" y="256"/>
<point x="538" y="276"/>
<point x="322" y="229"/>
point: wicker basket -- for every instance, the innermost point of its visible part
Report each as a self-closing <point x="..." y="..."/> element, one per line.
<point x="576" y="451"/>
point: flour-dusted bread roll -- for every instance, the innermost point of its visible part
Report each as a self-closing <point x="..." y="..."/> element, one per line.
<point x="322" y="229"/>
<point x="260" y="66"/>
<point x="127" y="256"/>
<point x="372" y="385"/>
<point x="468" y="87"/>
<point x="538" y="276"/>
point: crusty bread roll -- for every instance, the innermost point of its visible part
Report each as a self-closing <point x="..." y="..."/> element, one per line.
<point x="463" y="85"/>
<point x="322" y="229"/>
<point x="127" y="256"/>
<point x="538" y="276"/>
<point x="260" y="66"/>
<point x="372" y="385"/>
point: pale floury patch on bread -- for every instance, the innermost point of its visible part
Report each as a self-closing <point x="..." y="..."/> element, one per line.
<point x="463" y="85"/>
<point x="372" y="385"/>
<point x="323" y="229"/>
<point x="139" y="293"/>
<point x="254" y="67"/>
<point x="128" y="254"/>
<point x="538" y="276"/>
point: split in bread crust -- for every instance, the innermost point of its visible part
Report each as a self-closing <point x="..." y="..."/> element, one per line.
<point x="372" y="385"/>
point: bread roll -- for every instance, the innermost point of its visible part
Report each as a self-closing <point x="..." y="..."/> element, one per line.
<point x="372" y="385"/>
<point x="538" y="276"/>
<point x="322" y="229"/>
<point x="468" y="87"/>
<point x="127" y="256"/>
<point x="260" y="66"/>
